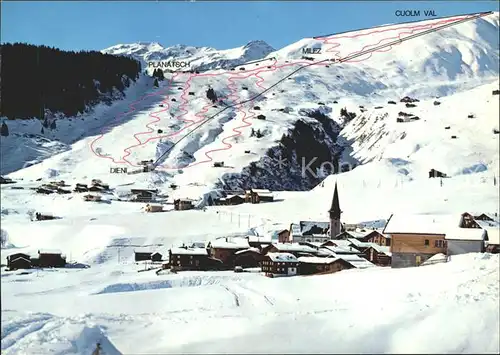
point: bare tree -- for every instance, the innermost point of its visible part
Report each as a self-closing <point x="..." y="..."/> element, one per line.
<point x="3" y="238"/>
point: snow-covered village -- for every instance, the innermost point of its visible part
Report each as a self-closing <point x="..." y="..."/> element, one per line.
<point x="337" y="195"/>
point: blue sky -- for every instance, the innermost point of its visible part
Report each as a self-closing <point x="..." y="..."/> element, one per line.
<point x="89" y="25"/>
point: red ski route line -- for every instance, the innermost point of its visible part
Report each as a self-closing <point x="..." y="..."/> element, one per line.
<point x="233" y="90"/>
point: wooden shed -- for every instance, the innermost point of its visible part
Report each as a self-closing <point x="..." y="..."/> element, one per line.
<point x="153" y="208"/>
<point x="183" y="204"/>
<point x="51" y="258"/>
<point x="11" y="258"/>
<point x="142" y="255"/>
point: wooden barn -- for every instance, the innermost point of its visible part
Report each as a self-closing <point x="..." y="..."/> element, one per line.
<point x="185" y="258"/>
<point x="280" y="264"/>
<point x="92" y="198"/>
<point x="18" y="261"/>
<point x="225" y="249"/>
<point x="258" y="195"/>
<point x="248" y="258"/>
<point x="51" y="258"/>
<point x="144" y="195"/>
<point x="182" y="204"/>
<point x="156" y="257"/>
<point x="232" y="200"/>
<point x="378" y="255"/>
<point x="433" y="173"/>
<point x="142" y="255"/>
<point x="314" y="265"/>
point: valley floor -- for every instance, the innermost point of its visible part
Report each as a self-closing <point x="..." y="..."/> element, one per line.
<point x="443" y="308"/>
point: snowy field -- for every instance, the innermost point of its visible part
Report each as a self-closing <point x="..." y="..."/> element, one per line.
<point x="443" y="308"/>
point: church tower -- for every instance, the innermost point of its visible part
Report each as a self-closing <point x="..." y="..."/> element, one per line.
<point x="335" y="227"/>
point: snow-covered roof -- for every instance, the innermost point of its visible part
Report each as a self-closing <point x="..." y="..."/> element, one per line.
<point x="261" y="191"/>
<point x="381" y="249"/>
<point x="343" y="249"/>
<point x="359" y="244"/>
<point x="440" y="257"/>
<point x="316" y="260"/>
<point x="421" y="224"/>
<point x="356" y="261"/>
<point x="493" y="235"/>
<point x="339" y="242"/>
<point x="230" y="243"/>
<point x="259" y="239"/>
<point x="309" y="228"/>
<point x="143" y="250"/>
<point x="254" y="250"/>
<point x="198" y="245"/>
<point x="282" y="257"/>
<point x="49" y="251"/>
<point x="189" y="251"/>
<point x="294" y="247"/>
<point x="457" y="233"/>
<point x="231" y="196"/>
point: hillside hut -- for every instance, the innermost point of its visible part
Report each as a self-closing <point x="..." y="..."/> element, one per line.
<point x="153" y="208"/>
<point x="183" y="204"/>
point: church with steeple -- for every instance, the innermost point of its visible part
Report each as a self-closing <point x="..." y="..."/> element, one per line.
<point x="334" y="212"/>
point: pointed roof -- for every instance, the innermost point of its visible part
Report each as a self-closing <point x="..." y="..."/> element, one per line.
<point x="335" y="208"/>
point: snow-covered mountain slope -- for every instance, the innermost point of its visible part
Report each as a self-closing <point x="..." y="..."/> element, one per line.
<point x="199" y="58"/>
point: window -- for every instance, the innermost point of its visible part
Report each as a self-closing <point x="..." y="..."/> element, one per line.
<point x="440" y="243"/>
<point x="426" y="242"/>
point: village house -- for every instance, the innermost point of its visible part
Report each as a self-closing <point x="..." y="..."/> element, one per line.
<point x="258" y="195"/>
<point x="283" y="235"/>
<point x="18" y="261"/>
<point x="304" y="231"/>
<point x="156" y="257"/>
<point x="467" y="221"/>
<point x="465" y="240"/>
<point x="483" y="217"/>
<point x="291" y="248"/>
<point x="248" y="258"/>
<point x="142" y="254"/>
<point x="81" y="188"/>
<point x="224" y="249"/>
<point x="232" y="200"/>
<point x="185" y="258"/>
<point x="280" y="264"/>
<point x="182" y="204"/>
<point x="378" y="238"/>
<point x="311" y="265"/>
<point x="51" y="258"/>
<point x="416" y="238"/>
<point x="143" y="195"/>
<point x="378" y="255"/>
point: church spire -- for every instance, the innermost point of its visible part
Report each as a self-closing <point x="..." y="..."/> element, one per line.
<point x="335" y="208"/>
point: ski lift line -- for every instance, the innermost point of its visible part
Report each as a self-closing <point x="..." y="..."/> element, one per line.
<point x="341" y="60"/>
<point x="255" y="61"/>
<point x="397" y="24"/>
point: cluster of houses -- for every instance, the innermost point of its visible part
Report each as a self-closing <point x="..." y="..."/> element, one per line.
<point x="309" y="247"/>
<point x="43" y="259"/>
<point x="247" y="196"/>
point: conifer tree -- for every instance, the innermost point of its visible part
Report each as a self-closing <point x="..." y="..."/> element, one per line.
<point x="53" y="125"/>
<point x="156" y="83"/>
<point x="4" y="131"/>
